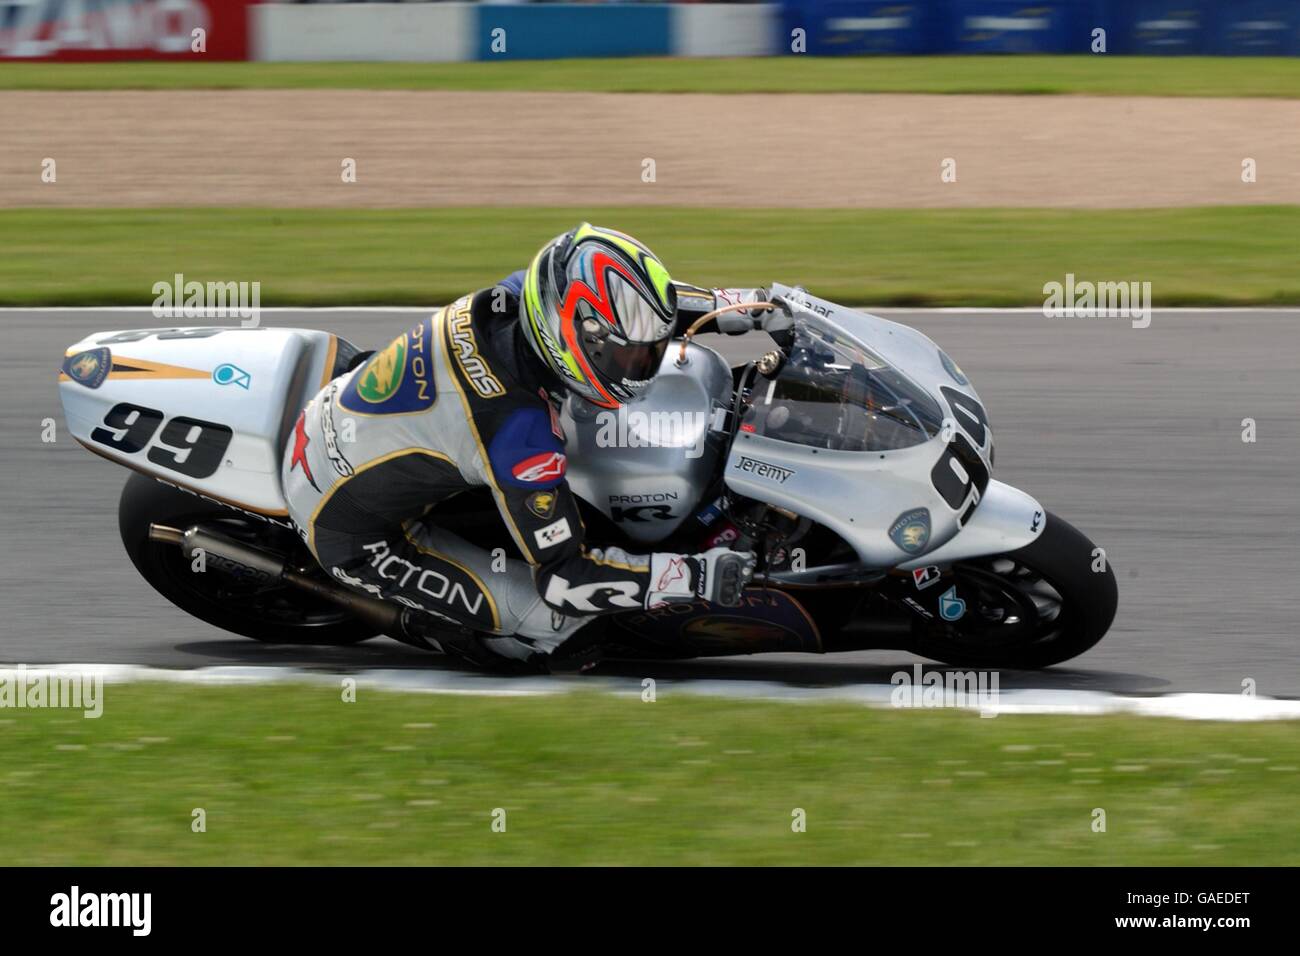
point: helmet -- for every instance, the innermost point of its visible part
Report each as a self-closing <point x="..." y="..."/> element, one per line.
<point x="598" y="309"/>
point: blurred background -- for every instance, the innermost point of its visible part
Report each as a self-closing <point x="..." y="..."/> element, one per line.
<point x="434" y="31"/>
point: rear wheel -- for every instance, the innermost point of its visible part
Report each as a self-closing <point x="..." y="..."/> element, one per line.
<point x="277" y="614"/>
<point x="1030" y="608"/>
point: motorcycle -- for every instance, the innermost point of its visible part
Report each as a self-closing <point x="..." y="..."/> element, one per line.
<point x="855" y="459"/>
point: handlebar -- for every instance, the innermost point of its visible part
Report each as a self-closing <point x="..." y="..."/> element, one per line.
<point x="702" y="320"/>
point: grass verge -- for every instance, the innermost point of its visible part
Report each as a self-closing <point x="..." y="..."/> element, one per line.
<point x="1197" y="256"/>
<point x="291" y="775"/>
<point x="1101" y="75"/>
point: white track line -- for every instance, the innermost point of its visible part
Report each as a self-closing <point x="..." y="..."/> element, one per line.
<point x="1229" y="707"/>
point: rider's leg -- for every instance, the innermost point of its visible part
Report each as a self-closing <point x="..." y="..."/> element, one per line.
<point x="521" y="612"/>
<point x="437" y="572"/>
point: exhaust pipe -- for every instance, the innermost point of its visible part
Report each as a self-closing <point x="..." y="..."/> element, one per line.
<point x="247" y="562"/>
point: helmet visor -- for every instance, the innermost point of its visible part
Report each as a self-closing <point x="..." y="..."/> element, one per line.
<point x="624" y="367"/>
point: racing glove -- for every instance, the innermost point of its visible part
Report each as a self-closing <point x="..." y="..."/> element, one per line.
<point x="718" y="576"/>
<point x="737" y="323"/>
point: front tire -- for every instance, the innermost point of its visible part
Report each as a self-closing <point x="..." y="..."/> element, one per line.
<point x="277" y="615"/>
<point x="1027" y="609"/>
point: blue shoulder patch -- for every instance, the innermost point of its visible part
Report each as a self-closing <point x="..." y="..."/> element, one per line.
<point x="524" y="453"/>
<point x="513" y="283"/>
<point x="396" y="380"/>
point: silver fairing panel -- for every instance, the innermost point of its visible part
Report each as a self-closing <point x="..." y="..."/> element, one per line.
<point x="861" y="495"/>
<point x="250" y="382"/>
<point x="647" y="465"/>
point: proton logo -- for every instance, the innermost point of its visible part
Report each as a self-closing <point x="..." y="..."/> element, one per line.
<point x="228" y="374"/>
<point x="911" y="530"/>
<point x="89" y="368"/>
<point x="951" y="607"/>
<point x="541" y="503"/>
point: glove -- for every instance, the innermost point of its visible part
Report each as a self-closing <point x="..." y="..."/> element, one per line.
<point x="737" y="323"/>
<point x="718" y="576"/>
<point x="780" y="319"/>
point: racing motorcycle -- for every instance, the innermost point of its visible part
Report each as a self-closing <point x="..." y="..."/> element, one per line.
<point x="854" y="458"/>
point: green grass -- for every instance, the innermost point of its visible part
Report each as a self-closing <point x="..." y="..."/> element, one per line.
<point x="1105" y="75"/>
<point x="292" y="775"/>
<point x="1198" y="256"/>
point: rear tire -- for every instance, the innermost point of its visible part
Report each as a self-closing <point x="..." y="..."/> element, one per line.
<point x="279" y="615"/>
<point x="1072" y="605"/>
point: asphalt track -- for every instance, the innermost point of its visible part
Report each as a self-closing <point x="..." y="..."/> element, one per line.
<point x="1134" y="435"/>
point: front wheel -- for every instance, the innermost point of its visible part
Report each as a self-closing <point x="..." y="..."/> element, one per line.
<point x="1043" y="604"/>
<point x="278" y="615"/>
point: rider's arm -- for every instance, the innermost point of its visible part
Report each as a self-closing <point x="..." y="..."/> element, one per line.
<point x="694" y="302"/>
<point x="525" y="468"/>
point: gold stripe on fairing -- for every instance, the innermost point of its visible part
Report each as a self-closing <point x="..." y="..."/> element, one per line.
<point x="331" y="357"/>
<point x="142" y="369"/>
<point x="492" y="604"/>
<point x="487" y="462"/>
<point x="325" y="498"/>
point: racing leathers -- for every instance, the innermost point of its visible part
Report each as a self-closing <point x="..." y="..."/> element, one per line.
<point x="454" y="403"/>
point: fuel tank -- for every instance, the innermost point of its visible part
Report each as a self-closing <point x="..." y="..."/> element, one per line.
<point x="647" y="465"/>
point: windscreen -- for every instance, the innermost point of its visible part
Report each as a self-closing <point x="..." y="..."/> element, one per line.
<point x="833" y="394"/>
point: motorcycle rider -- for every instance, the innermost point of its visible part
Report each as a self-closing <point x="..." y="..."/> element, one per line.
<point x="469" y="397"/>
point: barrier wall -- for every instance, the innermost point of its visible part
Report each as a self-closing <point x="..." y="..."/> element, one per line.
<point x="468" y="31"/>
<point x="235" y="29"/>
<point x="453" y="31"/>
<point x="1208" y="27"/>
<point x="123" y="29"/>
<point x="528" y="32"/>
<point x="724" y="30"/>
<point x="417" y="32"/>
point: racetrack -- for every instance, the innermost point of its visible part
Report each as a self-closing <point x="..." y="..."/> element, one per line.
<point x="1134" y="435"/>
